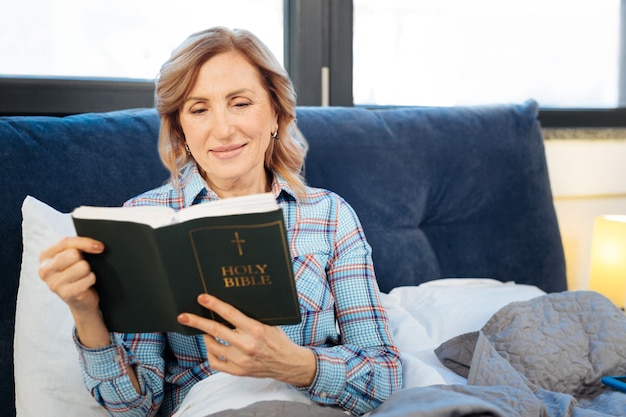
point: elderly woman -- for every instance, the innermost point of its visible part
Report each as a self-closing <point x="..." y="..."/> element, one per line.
<point x="227" y="112"/>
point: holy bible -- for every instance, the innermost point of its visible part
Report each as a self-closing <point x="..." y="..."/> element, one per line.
<point x="157" y="261"/>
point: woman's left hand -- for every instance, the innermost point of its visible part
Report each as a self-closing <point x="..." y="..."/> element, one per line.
<point x="254" y="349"/>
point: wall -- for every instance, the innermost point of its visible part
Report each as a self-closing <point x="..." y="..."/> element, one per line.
<point x="588" y="175"/>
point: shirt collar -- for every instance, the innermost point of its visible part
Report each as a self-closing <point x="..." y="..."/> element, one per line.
<point x="195" y="189"/>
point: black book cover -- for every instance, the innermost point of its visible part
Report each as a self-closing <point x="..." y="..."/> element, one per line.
<point x="147" y="276"/>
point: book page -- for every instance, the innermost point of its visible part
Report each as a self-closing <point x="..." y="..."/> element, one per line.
<point x="153" y="216"/>
<point x="158" y="216"/>
<point x="253" y="203"/>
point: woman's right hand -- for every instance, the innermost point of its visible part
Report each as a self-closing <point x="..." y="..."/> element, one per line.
<point x="67" y="273"/>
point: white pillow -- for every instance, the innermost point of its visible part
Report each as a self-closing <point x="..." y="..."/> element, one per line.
<point x="48" y="379"/>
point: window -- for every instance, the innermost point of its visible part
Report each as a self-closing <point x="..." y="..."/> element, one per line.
<point x="67" y="56"/>
<point x="562" y="53"/>
<point x="119" y="38"/>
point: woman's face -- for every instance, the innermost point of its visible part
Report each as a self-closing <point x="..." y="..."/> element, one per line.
<point x="228" y="120"/>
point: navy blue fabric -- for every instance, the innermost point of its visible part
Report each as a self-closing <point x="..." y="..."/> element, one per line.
<point x="98" y="159"/>
<point x="441" y="192"/>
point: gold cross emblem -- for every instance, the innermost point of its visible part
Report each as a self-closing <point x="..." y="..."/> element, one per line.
<point x="238" y="242"/>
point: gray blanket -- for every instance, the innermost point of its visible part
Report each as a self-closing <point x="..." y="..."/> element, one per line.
<point x="542" y="357"/>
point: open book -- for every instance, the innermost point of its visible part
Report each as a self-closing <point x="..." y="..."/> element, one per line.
<point x="157" y="261"/>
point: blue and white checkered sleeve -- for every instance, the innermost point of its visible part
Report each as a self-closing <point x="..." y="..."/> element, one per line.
<point x="106" y="374"/>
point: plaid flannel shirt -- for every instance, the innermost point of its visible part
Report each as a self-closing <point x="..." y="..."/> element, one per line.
<point x="343" y="321"/>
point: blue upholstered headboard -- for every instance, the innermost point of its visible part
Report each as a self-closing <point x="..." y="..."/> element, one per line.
<point x="441" y="192"/>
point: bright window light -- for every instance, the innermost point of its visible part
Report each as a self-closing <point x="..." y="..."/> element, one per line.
<point x="562" y="53"/>
<point x="119" y="38"/>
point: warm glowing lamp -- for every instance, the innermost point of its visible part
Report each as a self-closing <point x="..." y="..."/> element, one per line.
<point x="608" y="258"/>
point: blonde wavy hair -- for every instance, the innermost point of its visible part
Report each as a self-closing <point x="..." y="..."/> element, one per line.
<point x="178" y="76"/>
